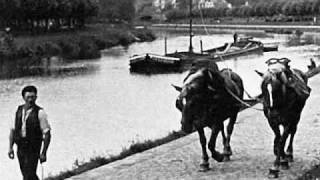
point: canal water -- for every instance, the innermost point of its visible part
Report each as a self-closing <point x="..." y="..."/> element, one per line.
<point x="107" y="108"/>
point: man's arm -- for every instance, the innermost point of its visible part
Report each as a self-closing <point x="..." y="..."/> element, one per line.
<point x="46" y="143"/>
<point x="11" y="137"/>
<point x="10" y="151"/>
<point x="45" y="127"/>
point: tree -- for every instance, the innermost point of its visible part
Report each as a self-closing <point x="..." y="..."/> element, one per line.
<point x="41" y="14"/>
<point x="118" y="10"/>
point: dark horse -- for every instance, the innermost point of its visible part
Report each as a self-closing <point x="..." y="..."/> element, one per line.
<point x="207" y="98"/>
<point x="283" y="97"/>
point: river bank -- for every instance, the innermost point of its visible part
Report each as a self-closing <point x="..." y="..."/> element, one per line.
<point x="83" y="43"/>
<point x="126" y="152"/>
<point x="139" y="147"/>
<point x="311" y="28"/>
<point x="252" y="147"/>
<point x="33" y="54"/>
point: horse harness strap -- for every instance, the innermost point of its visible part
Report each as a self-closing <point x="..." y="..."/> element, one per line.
<point x="240" y="100"/>
<point x="238" y="91"/>
<point x="298" y="84"/>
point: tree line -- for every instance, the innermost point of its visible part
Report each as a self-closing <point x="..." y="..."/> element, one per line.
<point x="268" y="8"/>
<point x="118" y="10"/>
<point x="46" y="14"/>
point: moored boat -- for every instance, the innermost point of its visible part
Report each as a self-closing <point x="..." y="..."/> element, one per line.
<point x="180" y="61"/>
<point x="149" y="63"/>
<point x="183" y="60"/>
<point x="244" y="46"/>
<point x="270" y="47"/>
<point x="279" y="31"/>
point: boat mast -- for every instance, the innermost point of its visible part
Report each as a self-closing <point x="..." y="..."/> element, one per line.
<point x="190" y="28"/>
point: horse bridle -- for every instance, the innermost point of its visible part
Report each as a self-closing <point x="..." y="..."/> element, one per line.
<point x="278" y="60"/>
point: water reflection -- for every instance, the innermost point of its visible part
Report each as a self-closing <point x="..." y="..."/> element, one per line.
<point x="54" y="66"/>
<point x="302" y="40"/>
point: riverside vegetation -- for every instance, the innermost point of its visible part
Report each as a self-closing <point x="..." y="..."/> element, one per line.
<point x="80" y="44"/>
<point x="102" y="160"/>
<point x="269" y="11"/>
<point x="32" y="55"/>
<point x="68" y="29"/>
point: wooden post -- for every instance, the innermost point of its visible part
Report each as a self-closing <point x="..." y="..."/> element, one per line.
<point x="165" y="46"/>
<point x="190" y="27"/>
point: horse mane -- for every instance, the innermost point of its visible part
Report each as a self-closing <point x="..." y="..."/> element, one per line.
<point x="193" y="74"/>
<point x="267" y="77"/>
<point x="272" y="76"/>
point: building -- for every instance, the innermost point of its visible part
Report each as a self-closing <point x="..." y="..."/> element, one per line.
<point x="206" y="4"/>
<point x="203" y="4"/>
<point x="161" y="4"/>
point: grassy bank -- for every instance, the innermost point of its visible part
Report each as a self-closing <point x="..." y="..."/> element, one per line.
<point x="79" y="44"/>
<point x="132" y="149"/>
<point x="313" y="174"/>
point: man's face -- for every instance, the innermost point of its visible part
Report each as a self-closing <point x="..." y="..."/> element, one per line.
<point x="30" y="98"/>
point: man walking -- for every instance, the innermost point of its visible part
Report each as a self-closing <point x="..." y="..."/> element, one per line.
<point x="29" y="130"/>
<point x="235" y="38"/>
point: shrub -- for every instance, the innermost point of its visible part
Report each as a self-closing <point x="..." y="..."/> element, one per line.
<point x="176" y="14"/>
<point x="70" y="48"/>
<point x="88" y="49"/>
<point x="52" y="49"/>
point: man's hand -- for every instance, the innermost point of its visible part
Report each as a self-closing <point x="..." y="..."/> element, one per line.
<point x="43" y="158"/>
<point x="11" y="153"/>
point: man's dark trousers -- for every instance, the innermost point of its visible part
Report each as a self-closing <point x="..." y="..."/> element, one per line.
<point x="28" y="156"/>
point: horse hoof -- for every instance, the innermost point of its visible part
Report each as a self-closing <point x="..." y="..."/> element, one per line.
<point x="204" y="167"/>
<point x="273" y="173"/>
<point x="227" y="151"/>
<point x="218" y="157"/>
<point x="226" y="158"/>
<point x="284" y="165"/>
<point x="289" y="157"/>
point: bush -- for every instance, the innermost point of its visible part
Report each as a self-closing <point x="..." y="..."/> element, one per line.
<point x="78" y="45"/>
<point x="126" y="38"/>
<point x="88" y="49"/>
<point x="70" y="49"/>
<point x="144" y="35"/>
<point x="176" y="14"/>
<point x="101" y="44"/>
<point x="52" y="49"/>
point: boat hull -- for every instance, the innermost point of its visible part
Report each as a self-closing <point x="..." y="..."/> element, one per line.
<point x="270" y="48"/>
<point x="182" y="61"/>
<point x="154" y="64"/>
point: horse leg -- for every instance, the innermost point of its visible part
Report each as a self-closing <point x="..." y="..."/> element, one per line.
<point x="227" y="149"/>
<point x="204" y="165"/>
<point x="224" y="141"/>
<point x="212" y="143"/>
<point x="274" y="170"/>
<point x="289" y="153"/>
<point x="284" y="161"/>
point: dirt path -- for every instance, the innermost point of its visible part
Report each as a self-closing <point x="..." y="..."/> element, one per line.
<point x="252" y="144"/>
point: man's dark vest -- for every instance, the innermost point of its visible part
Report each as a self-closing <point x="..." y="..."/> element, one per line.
<point x="33" y="130"/>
